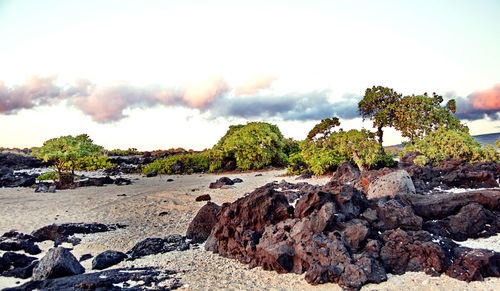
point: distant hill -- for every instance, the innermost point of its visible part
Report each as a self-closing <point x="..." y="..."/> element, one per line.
<point x="489" y="138"/>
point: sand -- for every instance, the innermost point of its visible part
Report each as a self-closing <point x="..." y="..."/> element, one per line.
<point x="146" y="198"/>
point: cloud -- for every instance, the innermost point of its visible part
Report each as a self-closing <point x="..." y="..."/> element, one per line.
<point x="480" y="104"/>
<point x="312" y="105"/>
<point x="254" y="85"/>
<point x="36" y="91"/>
<point x="203" y="94"/>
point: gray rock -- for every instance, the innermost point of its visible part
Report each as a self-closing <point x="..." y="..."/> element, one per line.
<point x="107" y="259"/>
<point x="58" y="262"/>
<point x="390" y="185"/>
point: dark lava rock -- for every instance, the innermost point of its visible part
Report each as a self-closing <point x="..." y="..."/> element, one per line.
<point x="9" y="179"/>
<point x="45" y="188"/>
<point x="204" y="197"/>
<point x="334" y="234"/>
<point x="107" y="259"/>
<point x="151" y="246"/>
<point x="58" y="262"/>
<point x="472" y="221"/>
<point x="200" y="227"/>
<point x="101" y="181"/>
<point x="307" y="174"/>
<point x="15" y="241"/>
<point x="152" y="174"/>
<point x="85" y="257"/>
<point x="122" y="181"/>
<point x="163" y="213"/>
<point x="237" y="180"/>
<point x="15" y="161"/>
<point x="170" y="180"/>
<point x="407" y="159"/>
<point x="258" y="175"/>
<point x="178" y="167"/>
<point x="144" y="279"/>
<point x="60" y="233"/>
<point x="17" y="265"/>
<point x="346" y="173"/>
<point x="221" y="182"/>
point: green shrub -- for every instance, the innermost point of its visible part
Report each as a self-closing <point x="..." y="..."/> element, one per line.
<point x="253" y="146"/>
<point x="90" y="163"/>
<point x="127" y="152"/>
<point x="447" y="144"/>
<point x="321" y="156"/>
<point x="421" y="161"/>
<point x="48" y="176"/>
<point x="497" y="143"/>
<point x="191" y="163"/>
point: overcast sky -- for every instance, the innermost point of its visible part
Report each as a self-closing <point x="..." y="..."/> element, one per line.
<point x="161" y="74"/>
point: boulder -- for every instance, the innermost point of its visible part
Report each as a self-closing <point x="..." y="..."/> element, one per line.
<point x="474" y="264"/>
<point x="221" y="182"/>
<point x="390" y="185"/>
<point x="122" y="181"/>
<point x="107" y="259"/>
<point x="58" y="262"/>
<point x="151" y="246"/>
<point x="60" y="233"/>
<point x="204" y="197"/>
<point x="346" y="173"/>
<point x="17" y="265"/>
<point x="15" y="241"/>
<point x="200" y="227"/>
<point x="152" y="174"/>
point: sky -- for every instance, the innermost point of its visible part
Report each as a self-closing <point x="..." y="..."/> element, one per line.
<point x="163" y="74"/>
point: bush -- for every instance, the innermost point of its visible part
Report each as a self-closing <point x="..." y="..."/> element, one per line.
<point x="48" y="176"/>
<point x="421" y="161"/>
<point x="127" y="152"/>
<point x="252" y="146"/>
<point x="186" y="163"/>
<point x="448" y="144"/>
<point x="90" y="163"/>
<point x="497" y="143"/>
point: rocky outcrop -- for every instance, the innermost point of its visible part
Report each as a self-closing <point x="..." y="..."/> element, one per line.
<point x="333" y="233"/>
<point x="15" y="161"/>
<point x="221" y="182"/>
<point x="58" y="262"/>
<point x="10" y="179"/>
<point x="200" y="227"/>
<point x="15" y="241"/>
<point x="17" y="265"/>
<point x="107" y="259"/>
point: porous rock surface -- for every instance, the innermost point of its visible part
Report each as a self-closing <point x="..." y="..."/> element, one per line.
<point x="333" y="233"/>
<point x="58" y="262"/>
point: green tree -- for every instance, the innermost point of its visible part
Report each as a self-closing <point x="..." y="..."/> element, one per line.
<point x="253" y="146"/>
<point x="65" y="151"/>
<point x="418" y="116"/>
<point x="377" y="105"/>
<point x="324" y="127"/>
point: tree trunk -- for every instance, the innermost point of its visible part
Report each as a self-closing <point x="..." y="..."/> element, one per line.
<point x="380" y="135"/>
<point x="358" y="161"/>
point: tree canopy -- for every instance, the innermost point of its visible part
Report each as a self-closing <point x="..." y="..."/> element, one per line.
<point x="324" y="127"/>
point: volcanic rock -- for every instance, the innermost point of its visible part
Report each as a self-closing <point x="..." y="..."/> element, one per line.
<point x="152" y="174"/>
<point x="204" y="197"/>
<point x="58" y="262"/>
<point x="15" y="241"/>
<point x="221" y="182"/>
<point x="151" y="246"/>
<point x="107" y="259"/>
<point x="200" y="227"/>
<point x="60" y="233"/>
<point x="17" y="265"/>
<point x="142" y="278"/>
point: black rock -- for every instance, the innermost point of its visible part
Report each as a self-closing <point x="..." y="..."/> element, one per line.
<point x="107" y="259"/>
<point x="152" y="174"/>
<point x="237" y="180"/>
<point x="60" y="233"/>
<point x="144" y="278"/>
<point x="151" y="246"/>
<point x="122" y="181"/>
<point x="15" y="241"/>
<point x="85" y="257"/>
<point x="58" y="262"/>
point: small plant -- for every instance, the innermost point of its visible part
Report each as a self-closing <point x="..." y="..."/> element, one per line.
<point x="48" y="176"/>
<point x="421" y="160"/>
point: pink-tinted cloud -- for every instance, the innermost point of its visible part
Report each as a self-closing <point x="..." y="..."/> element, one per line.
<point x="254" y="84"/>
<point x="36" y="91"/>
<point x="203" y="94"/>
<point x="486" y="100"/>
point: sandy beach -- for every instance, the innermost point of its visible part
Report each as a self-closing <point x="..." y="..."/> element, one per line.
<point x="25" y="211"/>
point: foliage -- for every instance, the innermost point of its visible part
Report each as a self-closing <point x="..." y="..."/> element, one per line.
<point x="421" y="161"/>
<point x="324" y="127"/>
<point x="497" y="143"/>
<point x="377" y="105"/>
<point x="447" y="144"/>
<point x="48" y="176"/>
<point x="253" y="146"/>
<point x="127" y="152"/>
<point x="418" y="116"/>
<point x="320" y="156"/>
<point x="65" y="151"/>
<point x="190" y="163"/>
<point x="89" y="163"/>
